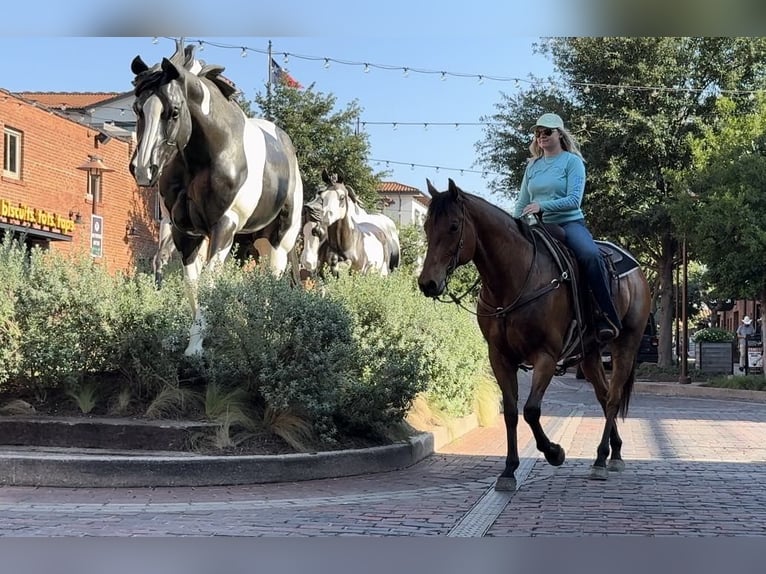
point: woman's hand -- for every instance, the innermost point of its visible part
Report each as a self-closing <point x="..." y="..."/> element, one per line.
<point x="533" y="207"/>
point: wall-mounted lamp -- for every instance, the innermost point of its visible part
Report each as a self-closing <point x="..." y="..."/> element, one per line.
<point x="76" y="216"/>
<point x="130" y="230"/>
<point x="102" y="138"/>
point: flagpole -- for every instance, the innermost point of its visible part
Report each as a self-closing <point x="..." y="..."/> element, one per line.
<point x="268" y="83"/>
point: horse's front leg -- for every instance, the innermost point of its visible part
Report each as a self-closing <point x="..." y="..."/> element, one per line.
<point x="506" y="375"/>
<point x="193" y="255"/>
<point x="544" y="369"/>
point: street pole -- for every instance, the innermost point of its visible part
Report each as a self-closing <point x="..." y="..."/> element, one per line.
<point x="684" y="378"/>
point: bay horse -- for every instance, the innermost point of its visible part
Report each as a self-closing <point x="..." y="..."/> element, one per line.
<point x="525" y="317"/>
<point x="368" y="241"/>
<point x="220" y="173"/>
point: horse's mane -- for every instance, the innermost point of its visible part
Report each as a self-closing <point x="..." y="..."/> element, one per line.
<point x="314" y="210"/>
<point x="153" y="77"/>
<point x="440" y="203"/>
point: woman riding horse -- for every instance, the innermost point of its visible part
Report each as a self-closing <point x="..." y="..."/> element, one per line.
<point x="527" y="317"/>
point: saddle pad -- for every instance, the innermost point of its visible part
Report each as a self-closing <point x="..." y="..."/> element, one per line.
<point x="623" y="261"/>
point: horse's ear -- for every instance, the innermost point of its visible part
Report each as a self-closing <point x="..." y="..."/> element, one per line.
<point x="454" y="190"/>
<point x="326" y="177"/>
<point x="170" y="69"/>
<point x="431" y="189"/>
<point x="137" y="65"/>
<point x="339" y="176"/>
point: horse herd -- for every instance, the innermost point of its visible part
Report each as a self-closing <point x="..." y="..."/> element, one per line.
<point x="226" y="178"/>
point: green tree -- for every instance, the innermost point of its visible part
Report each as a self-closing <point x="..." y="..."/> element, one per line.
<point x="323" y="138"/>
<point x="636" y="105"/>
<point x="727" y="179"/>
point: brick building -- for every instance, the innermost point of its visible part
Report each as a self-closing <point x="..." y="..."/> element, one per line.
<point x="66" y="185"/>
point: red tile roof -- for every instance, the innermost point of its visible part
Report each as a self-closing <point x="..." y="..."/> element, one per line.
<point x="394" y="187"/>
<point x="59" y="100"/>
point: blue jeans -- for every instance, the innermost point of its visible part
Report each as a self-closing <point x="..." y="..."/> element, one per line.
<point x="580" y="241"/>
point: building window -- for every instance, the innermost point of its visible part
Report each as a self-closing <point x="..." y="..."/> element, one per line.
<point x="11" y="153"/>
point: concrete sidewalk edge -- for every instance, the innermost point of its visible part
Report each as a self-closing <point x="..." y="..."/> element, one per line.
<point x="123" y="471"/>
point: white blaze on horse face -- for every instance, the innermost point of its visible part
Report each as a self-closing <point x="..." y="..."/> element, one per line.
<point x="150" y="138"/>
<point x="311" y="243"/>
<point x="332" y="207"/>
<point x="205" y="105"/>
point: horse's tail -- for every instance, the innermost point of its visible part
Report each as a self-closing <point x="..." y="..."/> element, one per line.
<point x="627" y="389"/>
<point x="393" y="259"/>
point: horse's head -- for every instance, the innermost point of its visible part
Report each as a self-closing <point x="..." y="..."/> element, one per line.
<point x="164" y="122"/>
<point x="449" y="238"/>
<point x="334" y="197"/>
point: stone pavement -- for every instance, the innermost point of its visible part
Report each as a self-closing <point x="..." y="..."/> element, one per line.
<point x="696" y="467"/>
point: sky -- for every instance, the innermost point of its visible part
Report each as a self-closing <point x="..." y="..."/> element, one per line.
<point x="411" y="153"/>
<point x="86" y="45"/>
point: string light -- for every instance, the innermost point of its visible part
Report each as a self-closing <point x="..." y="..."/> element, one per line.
<point x="286" y="58"/>
<point x="460" y="170"/>
<point x="155" y="40"/>
<point x="481" y="79"/>
<point x="406" y="70"/>
<point x="201" y="46"/>
<point x="244" y="52"/>
<point x="366" y="68"/>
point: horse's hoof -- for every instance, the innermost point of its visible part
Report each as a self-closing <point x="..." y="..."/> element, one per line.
<point x="616" y="465"/>
<point x="555" y="455"/>
<point x="598" y="473"/>
<point x="505" y="484"/>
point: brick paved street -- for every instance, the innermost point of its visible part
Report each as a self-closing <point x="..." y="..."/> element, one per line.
<point x="695" y="467"/>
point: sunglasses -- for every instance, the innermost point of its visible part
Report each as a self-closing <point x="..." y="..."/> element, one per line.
<point x="543" y="132"/>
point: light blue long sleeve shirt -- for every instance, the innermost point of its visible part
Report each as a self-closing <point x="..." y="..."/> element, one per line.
<point x="557" y="185"/>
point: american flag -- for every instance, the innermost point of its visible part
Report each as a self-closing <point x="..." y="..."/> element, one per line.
<point x="282" y="76"/>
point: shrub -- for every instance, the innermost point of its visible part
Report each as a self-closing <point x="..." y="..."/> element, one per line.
<point x="713" y="335"/>
<point x="12" y="271"/>
<point x="410" y="344"/>
<point x="290" y="348"/>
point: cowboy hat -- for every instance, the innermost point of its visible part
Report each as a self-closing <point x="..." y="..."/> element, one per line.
<point x="746" y="320"/>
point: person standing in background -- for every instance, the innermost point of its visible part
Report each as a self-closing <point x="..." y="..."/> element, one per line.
<point x="745" y="330"/>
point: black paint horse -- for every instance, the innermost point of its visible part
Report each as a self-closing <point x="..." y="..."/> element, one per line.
<point x="220" y="174"/>
<point x="526" y="312"/>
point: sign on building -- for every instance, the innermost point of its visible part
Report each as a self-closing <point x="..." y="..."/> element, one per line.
<point x="96" y="235"/>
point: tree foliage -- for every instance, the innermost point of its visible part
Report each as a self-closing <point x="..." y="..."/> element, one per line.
<point x="728" y="179"/>
<point x="323" y="137"/>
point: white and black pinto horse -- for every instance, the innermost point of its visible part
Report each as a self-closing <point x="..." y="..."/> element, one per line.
<point x="369" y="242"/>
<point x="220" y="174"/>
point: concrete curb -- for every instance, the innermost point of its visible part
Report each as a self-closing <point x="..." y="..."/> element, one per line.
<point x="19" y="468"/>
<point x="695" y="390"/>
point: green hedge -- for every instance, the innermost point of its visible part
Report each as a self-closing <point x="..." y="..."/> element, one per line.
<point x="349" y="357"/>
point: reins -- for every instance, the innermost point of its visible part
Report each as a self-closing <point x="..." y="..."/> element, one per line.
<point x="520" y="299"/>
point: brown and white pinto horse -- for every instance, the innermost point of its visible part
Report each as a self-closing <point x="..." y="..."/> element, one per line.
<point x="525" y="321"/>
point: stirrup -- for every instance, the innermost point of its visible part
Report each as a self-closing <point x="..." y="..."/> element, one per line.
<point x="606" y="330"/>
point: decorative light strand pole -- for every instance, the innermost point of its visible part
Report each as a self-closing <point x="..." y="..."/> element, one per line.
<point x="684" y="377"/>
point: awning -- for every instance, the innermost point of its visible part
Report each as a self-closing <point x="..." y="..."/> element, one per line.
<point x="34" y="232"/>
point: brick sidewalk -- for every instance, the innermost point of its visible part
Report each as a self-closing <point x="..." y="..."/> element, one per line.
<point x="695" y="467"/>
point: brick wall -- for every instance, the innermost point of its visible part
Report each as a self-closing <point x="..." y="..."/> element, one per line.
<point x="52" y="149"/>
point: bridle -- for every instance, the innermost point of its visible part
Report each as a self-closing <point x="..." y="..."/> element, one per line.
<point x="519" y="301"/>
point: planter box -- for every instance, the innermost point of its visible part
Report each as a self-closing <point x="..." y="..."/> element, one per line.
<point x="714" y="357"/>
